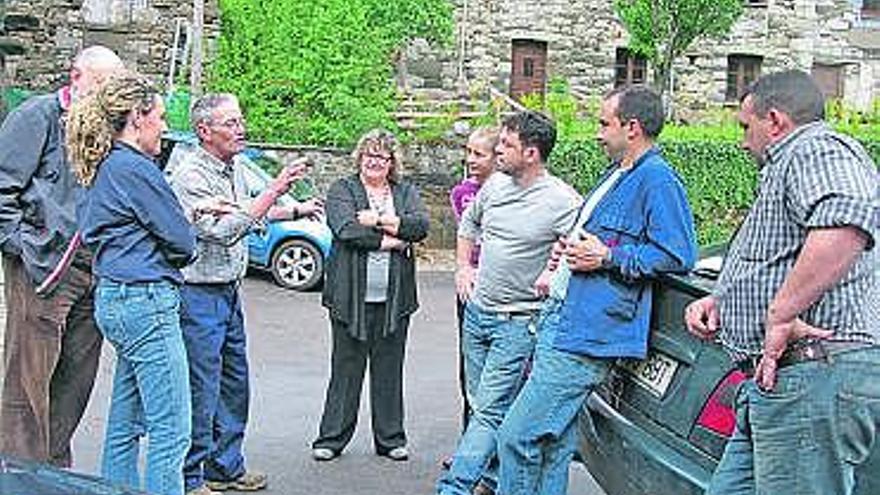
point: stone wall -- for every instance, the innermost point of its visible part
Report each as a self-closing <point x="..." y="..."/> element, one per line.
<point x="791" y="34"/>
<point x="581" y="36"/>
<point x="52" y="31"/>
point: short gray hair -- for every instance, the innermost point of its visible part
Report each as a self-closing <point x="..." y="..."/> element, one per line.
<point x="642" y="104"/>
<point x="203" y="107"/>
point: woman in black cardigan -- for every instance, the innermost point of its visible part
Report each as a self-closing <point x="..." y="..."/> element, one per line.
<point x="370" y="293"/>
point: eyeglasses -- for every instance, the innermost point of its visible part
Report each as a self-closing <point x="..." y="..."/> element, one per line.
<point x="231" y="123"/>
<point x="376" y="157"/>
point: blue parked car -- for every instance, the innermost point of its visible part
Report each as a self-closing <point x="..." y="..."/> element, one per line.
<point x="294" y="251"/>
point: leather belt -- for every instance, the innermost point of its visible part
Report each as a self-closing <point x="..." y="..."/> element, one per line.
<point x="819" y="350"/>
<point x="509" y="315"/>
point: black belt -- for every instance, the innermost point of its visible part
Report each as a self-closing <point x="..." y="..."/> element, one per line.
<point x="820" y="350"/>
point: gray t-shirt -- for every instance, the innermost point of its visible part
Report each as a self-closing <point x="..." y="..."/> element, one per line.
<point x="516" y="227"/>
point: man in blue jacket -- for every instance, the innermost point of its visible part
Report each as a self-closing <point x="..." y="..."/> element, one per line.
<point x="633" y="226"/>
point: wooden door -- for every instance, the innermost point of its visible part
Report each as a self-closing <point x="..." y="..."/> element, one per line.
<point x="528" y="72"/>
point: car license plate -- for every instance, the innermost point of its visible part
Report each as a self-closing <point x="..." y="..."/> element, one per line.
<point x="654" y="373"/>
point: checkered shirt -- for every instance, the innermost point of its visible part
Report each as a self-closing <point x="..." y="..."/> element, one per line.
<point x="222" y="251"/>
<point x="813" y="178"/>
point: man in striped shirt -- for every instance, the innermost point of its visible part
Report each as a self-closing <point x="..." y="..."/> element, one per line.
<point x="797" y="304"/>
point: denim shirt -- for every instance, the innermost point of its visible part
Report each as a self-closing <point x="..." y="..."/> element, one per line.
<point x="133" y="223"/>
<point x="646" y="221"/>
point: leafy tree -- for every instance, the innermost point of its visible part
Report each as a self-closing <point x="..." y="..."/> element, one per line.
<point x="318" y="71"/>
<point x="661" y="30"/>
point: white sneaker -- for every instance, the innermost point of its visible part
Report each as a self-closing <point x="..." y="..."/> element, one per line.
<point x="323" y="454"/>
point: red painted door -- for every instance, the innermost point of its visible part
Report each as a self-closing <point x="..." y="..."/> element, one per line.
<point x="528" y="73"/>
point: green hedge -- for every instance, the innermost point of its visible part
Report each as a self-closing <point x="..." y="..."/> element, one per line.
<point x="720" y="178"/>
<point x="322" y="71"/>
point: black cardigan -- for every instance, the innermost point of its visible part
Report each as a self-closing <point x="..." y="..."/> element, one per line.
<point x="345" y="285"/>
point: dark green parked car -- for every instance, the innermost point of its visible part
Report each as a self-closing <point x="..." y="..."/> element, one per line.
<point x="659" y="426"/>
<point x="29" y="478"/>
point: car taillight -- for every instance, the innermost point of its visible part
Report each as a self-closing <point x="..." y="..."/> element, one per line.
<point x="718" y="413"/>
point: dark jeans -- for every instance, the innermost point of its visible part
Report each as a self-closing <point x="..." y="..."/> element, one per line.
<point x="213" y="331"/>
<point x="52" y="349"/>
<point x="348" y="363"/>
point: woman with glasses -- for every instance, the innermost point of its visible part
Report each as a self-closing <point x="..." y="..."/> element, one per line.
<point x="370" y="293"/>
<point x="140" y="238"/>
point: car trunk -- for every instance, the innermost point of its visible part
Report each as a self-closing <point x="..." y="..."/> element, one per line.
<point x="671" y="386"/>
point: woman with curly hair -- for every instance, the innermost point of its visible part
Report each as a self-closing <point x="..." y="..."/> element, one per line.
<point x="132" y="222"/>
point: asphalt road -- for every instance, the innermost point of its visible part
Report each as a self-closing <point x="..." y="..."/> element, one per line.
<point x="289" y="351"/>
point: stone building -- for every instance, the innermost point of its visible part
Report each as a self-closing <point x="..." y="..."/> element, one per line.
<point x="517" y="46"/>
<point x="150" y="35"/>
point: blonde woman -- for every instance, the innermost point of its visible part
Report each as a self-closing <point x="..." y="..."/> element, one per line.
<point x="132" y="222"/>
<point x="370" y="293"/>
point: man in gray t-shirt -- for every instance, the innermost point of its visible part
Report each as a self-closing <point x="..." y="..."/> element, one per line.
<point x="517" y="225"/>
<point x="517" y="216"/>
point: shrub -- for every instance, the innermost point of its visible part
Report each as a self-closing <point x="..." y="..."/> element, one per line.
<point x="177" y="106"/>
<point x="719" y="177"/>
<point x="318" y="72"/>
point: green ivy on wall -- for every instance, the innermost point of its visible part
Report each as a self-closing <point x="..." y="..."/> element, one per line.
<point x="319" y="71"/>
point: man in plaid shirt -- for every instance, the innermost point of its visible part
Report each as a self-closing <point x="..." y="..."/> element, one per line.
<point x="797" y="304"/>
<point x="209" y="183"/>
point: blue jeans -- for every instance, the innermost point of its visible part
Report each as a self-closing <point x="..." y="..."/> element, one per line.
<point x="150" y="386"/>
<point x="213" y="329"/>
<point x="809" y="434"/>
<point x="497" y="347"/>
<point x="538" y="438"/>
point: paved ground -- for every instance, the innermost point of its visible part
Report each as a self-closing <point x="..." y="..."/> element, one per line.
<point x="289" y="358"/>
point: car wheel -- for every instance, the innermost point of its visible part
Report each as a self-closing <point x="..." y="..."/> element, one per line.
<point x="297" y="264"/>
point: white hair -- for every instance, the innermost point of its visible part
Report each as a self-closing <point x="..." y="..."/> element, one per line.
<point x="97" y="57"/>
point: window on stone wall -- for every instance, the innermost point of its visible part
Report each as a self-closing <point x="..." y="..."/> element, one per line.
<point x="741" y="71"/>
<point x="112" y="12"/>
<point x="829" y="78"/>
<point x="629" y="68"/>
<point x="870" y="8"/>
<point x="528" y="67"/>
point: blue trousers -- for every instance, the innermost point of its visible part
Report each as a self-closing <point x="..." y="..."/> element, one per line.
<point x="809" y="434"/>
<point x="538" y="438"/>
<point x="150" y="385"/>
<point x="213" y="329"/>
<point x="497" y="347"/>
